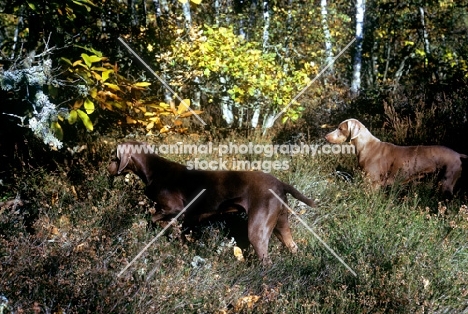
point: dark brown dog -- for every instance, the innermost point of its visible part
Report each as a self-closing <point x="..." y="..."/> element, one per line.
<point x="384" y="162"/>
<point x="172" y="186"/>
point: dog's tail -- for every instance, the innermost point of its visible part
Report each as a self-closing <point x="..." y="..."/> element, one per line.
<point x="298" y="195"/>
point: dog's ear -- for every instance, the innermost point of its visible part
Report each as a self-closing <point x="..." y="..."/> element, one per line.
<point x="124" y="159"/>
<point x="354" y="128"/>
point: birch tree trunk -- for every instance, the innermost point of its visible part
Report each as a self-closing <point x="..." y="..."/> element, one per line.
<point x="266" y="25"/>
<point x="226" y="104"/>
<point x="187" y="15"/>
<point x="268" y="118"/>
<point x="266" y="29"/>
<point x="427" y="46"/>
<point x="360" y="12"/>
<point x="326" y="34"/>
<point x="216" y="6"/>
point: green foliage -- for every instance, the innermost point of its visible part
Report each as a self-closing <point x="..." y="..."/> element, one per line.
<point x="105" y="87"/>
<point x="225" y="61"/>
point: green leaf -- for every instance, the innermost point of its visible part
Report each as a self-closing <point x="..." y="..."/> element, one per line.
<point x="58" y="131"/>
<point x="105" y="74"/>
<point x="89" y="106"/>
<point x="89" y="60"/>
<point x="86" y="120"/>
<point x="32" y="6"/>
<point x="72" y="117"/>
<point x="90" y="49"/>
<point x="66" y="60"/>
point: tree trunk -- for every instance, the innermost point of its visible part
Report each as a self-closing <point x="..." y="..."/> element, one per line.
<point x="326" y="34"/>
<point x="187" y="15"/>
<point x="226" y="103"/>
<point x="266" y="25"/>
<point x="360" y="12"/>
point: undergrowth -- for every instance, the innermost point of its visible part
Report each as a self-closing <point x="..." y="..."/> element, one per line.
<point x="63" y="251"/>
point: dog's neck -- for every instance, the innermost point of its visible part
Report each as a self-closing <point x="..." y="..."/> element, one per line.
<point x="355" y="136"/>
<point x="158" y="169"/>
<point x="362" y="139"/>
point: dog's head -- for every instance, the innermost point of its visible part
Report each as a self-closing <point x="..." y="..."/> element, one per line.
<point x="348" y="129"/>
<point x="123" y="161"/>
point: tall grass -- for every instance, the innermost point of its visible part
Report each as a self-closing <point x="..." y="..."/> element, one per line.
<point x="409" y="251"/>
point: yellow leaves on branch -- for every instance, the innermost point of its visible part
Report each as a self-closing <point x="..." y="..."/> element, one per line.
<point x="105" y="89"/>
<point x="153" y="118"/>
<point x="248" y="73"/>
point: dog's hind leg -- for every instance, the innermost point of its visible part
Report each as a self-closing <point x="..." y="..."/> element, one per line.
<point x="260" y="229"/>
<point x="283" y="232"/>
<point x="451" y="176"/>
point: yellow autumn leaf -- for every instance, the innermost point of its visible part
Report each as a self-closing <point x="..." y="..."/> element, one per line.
<point x="89" y="106"/>
<point x="72" y="117"/>
<point x="93" y="92"/>
<point x="77" y="63"/>
<point x="183" y="106"/>
<point x="96" y="75"/>
<point x="105" y="74"/>
<point x="165" y="129"/>
<point x="150" y="126"/>
<point x="112" y="86"/>
<point x="86" y="120"/>
<point x="130" y="120"/>
<point x="142" y="84"/>
<point x="188" y="114"/>
<point x="238" y="254"/>
<point x="196" y="1"/>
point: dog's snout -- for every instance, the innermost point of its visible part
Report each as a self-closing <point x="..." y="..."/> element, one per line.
<point x="113" y="168"/>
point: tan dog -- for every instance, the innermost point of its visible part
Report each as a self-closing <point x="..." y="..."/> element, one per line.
<point x="172" y="186"/>
<point x="383" y="162"/>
